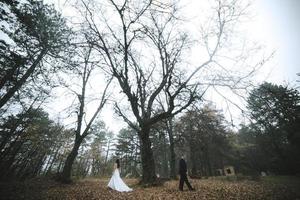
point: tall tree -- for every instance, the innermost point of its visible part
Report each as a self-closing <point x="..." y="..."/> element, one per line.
<point x="170" y="131"/>
<point x="99" y="133"/>
<point x="127" y="149"/>
<point x="275" y="114"/>
<point x="86" y="66"/>
<point x="145" y="49"/>
<point x="248" y="155"/>
<point x="204" y="134"/>
<point x="144" y="52"/>
<point x="33" y="32"/>
<point x="26" y="141"/>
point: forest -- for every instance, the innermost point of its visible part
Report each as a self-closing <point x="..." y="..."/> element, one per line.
<point x="133" y="58"/>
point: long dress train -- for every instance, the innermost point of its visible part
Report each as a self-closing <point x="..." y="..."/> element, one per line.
<point x="116" y="183"/>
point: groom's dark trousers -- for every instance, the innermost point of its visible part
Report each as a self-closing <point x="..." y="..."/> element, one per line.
<point x="183" y="176"/>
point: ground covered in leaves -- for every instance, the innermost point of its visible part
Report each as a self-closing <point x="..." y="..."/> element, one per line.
<point x="284" y="188"/>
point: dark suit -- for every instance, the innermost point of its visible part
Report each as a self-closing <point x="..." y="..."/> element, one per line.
<point x="183" y="176"/>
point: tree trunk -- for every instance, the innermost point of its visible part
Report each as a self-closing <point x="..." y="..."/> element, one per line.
<point x="172" y="151"/>
<point x="148" y="165"/>
<point x="4" y="140"/>
<point x="172" y="161"/>
<point x="6" y="163"/>
<point x="48" y="170"/>
<point x="39" y="166"/>
<point x="59" y="165"/>
<point x="6" y="97"/>
<point x="165" y="159"/>
<point x="105" y="167"/>
<point x="208" y="162"/>
<point x="193" y="159"/>
<point x="135" y="171"/>
<point x="13" y="143"/>
<point x="66" y="173"/>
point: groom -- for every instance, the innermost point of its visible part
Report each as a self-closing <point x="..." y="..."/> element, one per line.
<point x="183" y="175"/>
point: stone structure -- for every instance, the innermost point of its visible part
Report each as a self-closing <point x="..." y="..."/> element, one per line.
<point x="229" y="171"/>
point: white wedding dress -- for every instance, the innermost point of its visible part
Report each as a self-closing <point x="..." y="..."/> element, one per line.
<point x="116" y="183"/>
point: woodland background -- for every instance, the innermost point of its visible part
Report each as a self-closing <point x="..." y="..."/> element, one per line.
<point x="159" y="95"/>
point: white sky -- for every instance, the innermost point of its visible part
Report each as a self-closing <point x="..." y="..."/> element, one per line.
<point x="279" y="26"/>
<point x="275" y="24"/>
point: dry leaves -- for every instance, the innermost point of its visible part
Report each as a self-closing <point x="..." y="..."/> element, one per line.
<point x="92" y="189"/>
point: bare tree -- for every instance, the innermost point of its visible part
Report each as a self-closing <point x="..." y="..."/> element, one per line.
<point x="144" y="51"/>
<point x="86" y="67"/>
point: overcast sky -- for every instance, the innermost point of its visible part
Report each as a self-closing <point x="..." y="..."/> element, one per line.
<point x="275" y="24"/>
<point x="279" y="25"/>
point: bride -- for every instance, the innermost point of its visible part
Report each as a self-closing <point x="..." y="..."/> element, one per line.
<point x="116" y="183"/>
